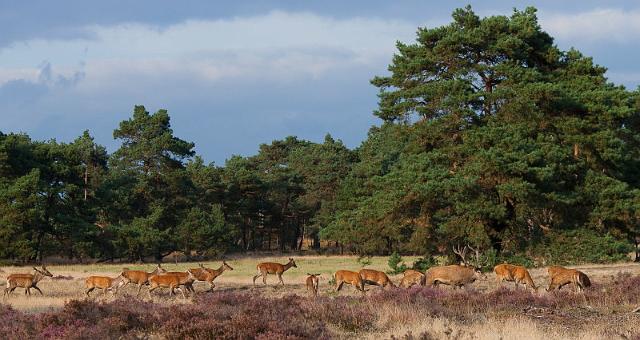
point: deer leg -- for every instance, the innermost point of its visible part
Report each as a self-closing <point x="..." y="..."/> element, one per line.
<point x="38" y="289"/>
<point x="339" y="286"/>
<point x="264" y="279"/>
<point x="212" y="285"/>
<point x="150" y="290"/>
<point x="280" y="277"/>
<point x="140" y="288"/>
<point x="182" y="291"/>
<point x="254" y="279"/>
<point x="88" y="291"/>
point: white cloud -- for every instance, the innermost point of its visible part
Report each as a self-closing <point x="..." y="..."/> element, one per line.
<point x="277" y="45"/>
<point x="595" y="26"/>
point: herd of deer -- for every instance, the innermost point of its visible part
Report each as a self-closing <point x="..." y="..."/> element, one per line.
<point x="456" y="276"/>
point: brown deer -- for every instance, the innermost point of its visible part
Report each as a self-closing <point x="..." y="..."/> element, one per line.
<point x="412" y="277"/>
<point x="375" y="277"/>
<point x="105" y="283"/>
<point x="214" y="273"/>
<point x="26" y="281"/>
<point x="171" y="281"/>
<point x="561" y="276"/>
<point x="352" y="278"/>
<point x="266" y="268"/>
<point x="455" y="275"/>
<point x="312" y="282"/>
<point x="516" y="274"/>
<point x="141" y="277"/>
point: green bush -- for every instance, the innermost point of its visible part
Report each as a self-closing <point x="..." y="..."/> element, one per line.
<point x="424" y="263"/>
<point x="396" y="264"/>
<point x="584" y="246"/>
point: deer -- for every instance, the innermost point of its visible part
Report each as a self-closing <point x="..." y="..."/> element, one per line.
<point x="352" y="278"/>
<point x="412" y="277"/>
<point x="26" y="281"/>
<point x="105" y="283"/>
<point x="561" y="276"/>
<point x="214" y="273"/>
<point x="312" y="282"/>
<point x="141" y="277"/>
<point x="516" y="274"/>
<point x="375" y="277"/>
<point x="456" y="275"/>
<point x="266" y="268"/>
<point x="171" y="281"/>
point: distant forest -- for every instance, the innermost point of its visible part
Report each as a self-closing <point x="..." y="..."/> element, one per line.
<point x="490" y="135"/>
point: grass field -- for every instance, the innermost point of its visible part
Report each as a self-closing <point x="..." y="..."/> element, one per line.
<point x="417" y="313"/>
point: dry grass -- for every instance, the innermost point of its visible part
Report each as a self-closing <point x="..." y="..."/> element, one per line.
<point x="398" y="319"/>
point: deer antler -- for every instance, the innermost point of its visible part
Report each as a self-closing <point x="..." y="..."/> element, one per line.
<point x="476" y="252"/>
<point x="462" y="252"/>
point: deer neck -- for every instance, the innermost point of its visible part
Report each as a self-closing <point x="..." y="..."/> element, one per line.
<point x="287" y="266"/>
<point x="37" y="277"/>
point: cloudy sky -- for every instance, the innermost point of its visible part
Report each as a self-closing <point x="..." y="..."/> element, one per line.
<point x="235" y="76"/>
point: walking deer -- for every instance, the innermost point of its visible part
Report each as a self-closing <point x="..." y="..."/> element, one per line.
<point x="312" y="282"/>
<point x="561" y="276"/>
<point x="26" y="281"/>
<point x="456" y="275"/>
<point x="412" y="277"/>
<point x="375" y="277"/>
<point x="212" y="274"/>
<point x="352" y="278"/>
<point x="516" y="274"/>
<point x="171" y="281"/>
<point x="140" y="277"/>
<point x="266" y="268"/>
<point x="105" y="283"/>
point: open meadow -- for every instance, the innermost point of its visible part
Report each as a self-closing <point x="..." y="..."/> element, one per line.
<point x="238" y="310"/>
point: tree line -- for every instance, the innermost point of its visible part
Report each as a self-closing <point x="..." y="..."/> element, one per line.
<point x="491" y="135"/>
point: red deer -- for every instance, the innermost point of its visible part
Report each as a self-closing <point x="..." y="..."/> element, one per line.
<point x="265" y="268"/>
<point x="456" y="275"/>
<point x="214" y="273"/>
<point x="516" y="274"/>
<point x="312" y="282"/>
<point x="375" y="277"/>
<point x="412" y="277"/>
<point x="561" y="276"/>
<point x="105" y="283"/>
<point x="352" y="278"/>
<point x="140" y="277"/>
<point x="171" y="281"/>
<point x="26" y="281"/>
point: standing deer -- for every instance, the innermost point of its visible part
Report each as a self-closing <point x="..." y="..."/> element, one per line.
<point x="26" y="281"/>
<point x="456" y="275"/>
<point x="561" y="276"/>
<point x="105" y="283"/>
<point x="140" y="277"/>
<point x="171" y="281"/>
<point x="375" y="277"/>
<point x="266" y="268"/>
<point x="412" y="277"/>
<point x="352" y="278"/>
<point x="516" y="274"/>
<point x="312" y="282"/>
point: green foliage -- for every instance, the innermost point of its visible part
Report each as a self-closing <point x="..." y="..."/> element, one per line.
<point x="584" y="246"/>
<point x="396" y="264"/>
<point x="364" y="260"/>
<point x="424" y="263"/>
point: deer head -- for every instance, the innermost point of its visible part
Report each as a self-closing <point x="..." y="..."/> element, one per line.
<point x="293" y="263"/>
<point x="226" y="265"/>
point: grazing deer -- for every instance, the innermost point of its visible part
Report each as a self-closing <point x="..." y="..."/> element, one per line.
<point x="214" y="273"/>
<point x="105" y="283"/>
<point x="265" y="268"/>
<point x="352" y="278"/>
<point x="456" y="275"/>
<point x="26" y="281"/>
<point x="312" y="282"/>
<point x="412" y="277"/>
<point x="561" y="276"/>
<point x="516" y="274"/>
<point x="171" y="281"/>
<point x="141" y="277"/>
<point x="375" y="277"/>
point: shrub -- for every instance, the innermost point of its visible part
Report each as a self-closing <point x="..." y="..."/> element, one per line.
<point x="584" y="246"/>
<point x="396" y="264"/>
<point x="424" y="263"/>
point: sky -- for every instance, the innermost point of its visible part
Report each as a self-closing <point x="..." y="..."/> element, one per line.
<point x="237" y="74"/>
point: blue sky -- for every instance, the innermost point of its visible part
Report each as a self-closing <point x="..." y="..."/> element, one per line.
<point x="236" y="75"/>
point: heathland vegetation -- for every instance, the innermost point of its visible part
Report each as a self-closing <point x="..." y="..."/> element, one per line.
<point x="490" y="136"/>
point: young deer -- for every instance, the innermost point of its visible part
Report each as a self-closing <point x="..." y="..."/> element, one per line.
<point x="266" y="268"/>
<point x="561" y="276"/>
<point x="412" y="277"/>
<point x="214" y="273"/>
<point x="516" y="274"/>
<point x="312" y="283"/>
<point x="171" y="281"/>
<point x="105" y="283"/>
<point x="26" y="281"/>
<point x="140" y="277"/>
